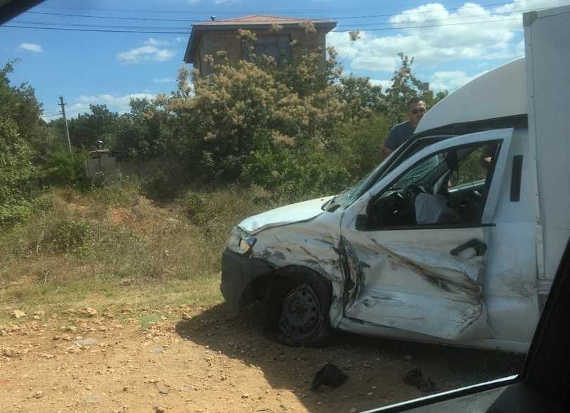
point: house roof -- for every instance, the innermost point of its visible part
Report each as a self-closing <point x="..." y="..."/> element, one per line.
<point x="259" y="19"/>
<point x="254" y="22"/>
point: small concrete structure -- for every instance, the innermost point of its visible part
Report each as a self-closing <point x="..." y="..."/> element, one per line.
<point x="279" y="37"/>
<point x="101" y="165"/>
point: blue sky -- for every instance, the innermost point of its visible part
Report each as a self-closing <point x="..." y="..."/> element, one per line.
<point x="451" y="41"/>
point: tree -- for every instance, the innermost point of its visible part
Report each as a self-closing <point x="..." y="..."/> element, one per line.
<point x="405" y="86"/>
<point x="88" y="128"/>
<point x="19" y="124"/>
<point x="142" y="133"/>
<point x="19" y="104"/>
<point x="247" y="106"/>
<point x="298" y="126"/>
<point x="360" y="98"/>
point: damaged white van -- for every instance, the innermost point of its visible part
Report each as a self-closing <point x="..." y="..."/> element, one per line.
<point x="454" y="238"/>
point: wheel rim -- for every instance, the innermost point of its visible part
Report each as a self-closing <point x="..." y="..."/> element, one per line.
<point x="299" y="313"/>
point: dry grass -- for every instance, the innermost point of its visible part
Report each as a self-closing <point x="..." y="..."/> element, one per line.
<point x="114" y="247"/>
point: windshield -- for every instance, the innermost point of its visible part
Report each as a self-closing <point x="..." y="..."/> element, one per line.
<point x="423" y="172"/>
<point x="410" y="147"/>
<point x="351" y="194"/>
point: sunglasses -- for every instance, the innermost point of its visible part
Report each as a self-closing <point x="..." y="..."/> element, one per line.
<point x="420" y="110"/>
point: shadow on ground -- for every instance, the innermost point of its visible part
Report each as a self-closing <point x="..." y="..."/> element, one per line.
<point x="376" y="367"/>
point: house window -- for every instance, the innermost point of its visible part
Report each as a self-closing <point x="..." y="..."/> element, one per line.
<point x="274" y="46"/>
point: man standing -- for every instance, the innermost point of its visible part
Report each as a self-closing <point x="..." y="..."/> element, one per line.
<point x="403" y="131"/>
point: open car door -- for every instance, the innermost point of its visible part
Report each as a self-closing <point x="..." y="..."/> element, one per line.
<point x="414" y="255"/>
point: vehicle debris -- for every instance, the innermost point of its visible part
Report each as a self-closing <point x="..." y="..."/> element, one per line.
<point x="329" y="375"/>
<point x="415" y="378"/>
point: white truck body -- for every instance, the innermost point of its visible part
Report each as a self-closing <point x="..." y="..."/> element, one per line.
<point x="548" y="83"/>
<point x="500" y="153"/>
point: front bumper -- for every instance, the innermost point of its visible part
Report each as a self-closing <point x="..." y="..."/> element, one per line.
<point x="238" y="271"/>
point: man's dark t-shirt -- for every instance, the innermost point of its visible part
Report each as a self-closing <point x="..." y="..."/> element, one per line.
<point x="399" y="134"/>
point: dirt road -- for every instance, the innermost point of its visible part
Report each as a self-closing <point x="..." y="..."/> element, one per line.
<point x="199" y="360"/>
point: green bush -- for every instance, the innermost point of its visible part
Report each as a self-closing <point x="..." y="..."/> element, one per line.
<point x="122" y="192"/>
<point x="68" y="235"/>
<point x="297" y="174"/>
<point x="165" y="184"/>
<point x="15" y="211"/>
<point x="65" y="168"/>
<point x="194" y="205"/>
<point x="360" y="144"/>
<point x="16" y="174"/>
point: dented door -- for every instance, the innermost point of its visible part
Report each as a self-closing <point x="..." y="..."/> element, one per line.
<point x="406" y="272"/>
<point x="409" y="279"/>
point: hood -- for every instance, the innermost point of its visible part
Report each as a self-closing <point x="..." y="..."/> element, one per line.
<point x="289" y="214"/>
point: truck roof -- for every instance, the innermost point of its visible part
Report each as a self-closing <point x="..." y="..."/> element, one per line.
<point x="498" y="94"/>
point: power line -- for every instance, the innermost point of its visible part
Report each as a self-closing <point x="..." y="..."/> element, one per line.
<point x="393" y="14"/>
<point x="376" y="29"/>
<point x="385" y="25"/>
<point x="241" y="12"/>
<point x="184" y="30"/>
<point x="114" y="17"/>
<point x="89" y="30"/>
<point x="123" y="29"/>
<point x="199" y="21"/>
<point x="106" y="26"/>
<point x="163" y="28"/>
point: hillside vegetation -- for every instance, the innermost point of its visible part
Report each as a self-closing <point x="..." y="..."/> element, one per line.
<point x="250" y="137"/>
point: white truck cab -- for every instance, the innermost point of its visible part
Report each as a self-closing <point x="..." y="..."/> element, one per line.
<point x="454" y="238"/>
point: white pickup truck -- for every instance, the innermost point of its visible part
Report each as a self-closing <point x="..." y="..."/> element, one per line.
<point x="454" y="238"/>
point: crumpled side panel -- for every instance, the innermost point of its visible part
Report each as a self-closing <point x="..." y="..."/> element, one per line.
<point x="421" y="289"/>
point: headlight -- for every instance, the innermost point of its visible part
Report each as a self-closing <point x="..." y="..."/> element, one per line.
<point x="240" y="242"/>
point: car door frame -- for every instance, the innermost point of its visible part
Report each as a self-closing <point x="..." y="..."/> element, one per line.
<point x="359" y="207"/>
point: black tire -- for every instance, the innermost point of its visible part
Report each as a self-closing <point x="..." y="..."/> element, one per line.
<point x="298" y="309"/>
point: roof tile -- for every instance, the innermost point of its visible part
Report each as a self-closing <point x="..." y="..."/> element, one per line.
<point x="259" y="19"/>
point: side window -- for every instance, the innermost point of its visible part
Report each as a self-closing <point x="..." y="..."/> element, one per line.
<point x="474" y="167"/>
<point x="446" y="188"/>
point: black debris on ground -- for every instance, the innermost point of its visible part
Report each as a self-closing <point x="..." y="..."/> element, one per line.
<point x="329" y="375"/>
<point x="416" y="378"/>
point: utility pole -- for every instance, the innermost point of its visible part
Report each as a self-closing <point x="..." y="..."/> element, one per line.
<point x="62" y="104"/>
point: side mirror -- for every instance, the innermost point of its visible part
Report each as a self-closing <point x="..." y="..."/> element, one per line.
<point x="362" y="222"/>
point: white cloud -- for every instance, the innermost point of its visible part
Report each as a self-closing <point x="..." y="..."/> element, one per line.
<point x="31" y="47"/>
<point x="151" y="50"/>
<point x="449" y="80"/>
<point x="470" y="33"/>
<point x="164" y="80"/>
<point x="155" y="42"/>
<point x="114" y="103"/>
<point x="181" y="39"/>
<point x="519" y="6"/>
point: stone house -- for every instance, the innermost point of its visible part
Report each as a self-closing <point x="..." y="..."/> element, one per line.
<point x="279" y="37"/>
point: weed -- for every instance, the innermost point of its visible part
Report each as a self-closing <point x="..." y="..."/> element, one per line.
<point x="146" y="320"/>
<point x="124" y="192"/>
<point x="78" y="247"/>
<point x="68" y="235"/>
